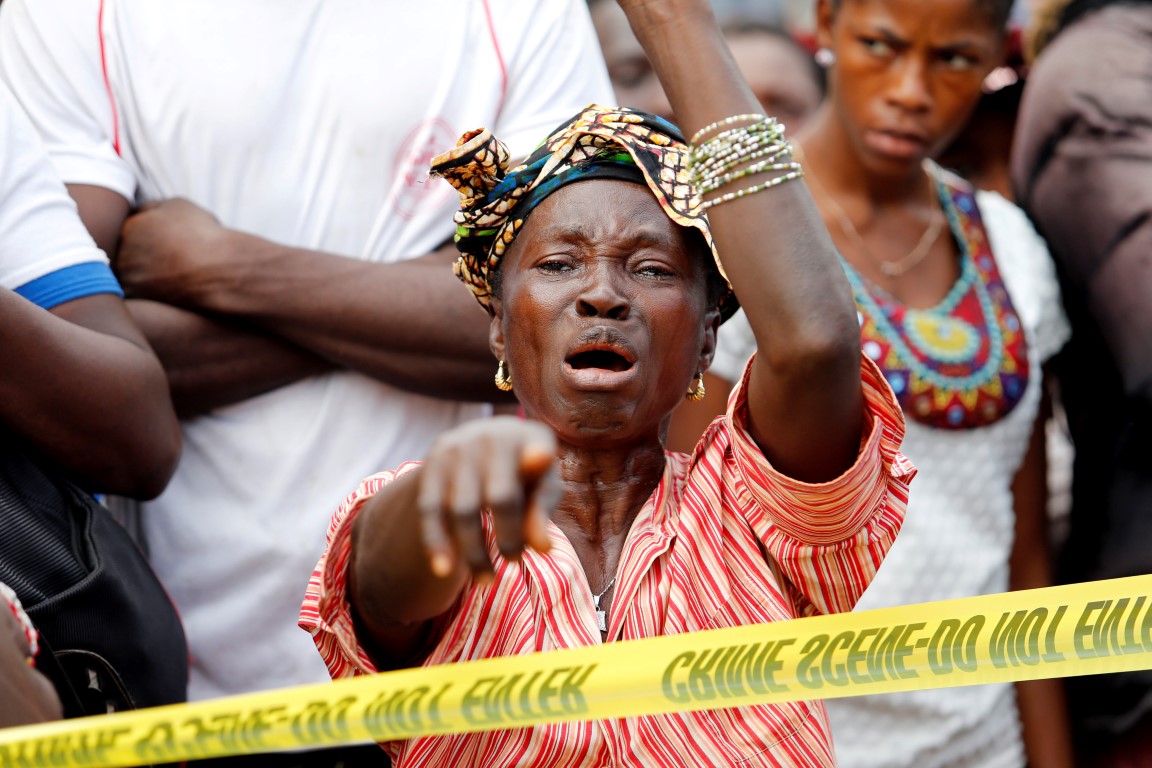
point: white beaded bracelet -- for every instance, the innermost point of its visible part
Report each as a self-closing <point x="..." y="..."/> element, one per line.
<point x="724" y="123"/>
<point x="730" y="196"/>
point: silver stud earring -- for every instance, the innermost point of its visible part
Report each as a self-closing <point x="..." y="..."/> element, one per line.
<point x="825" y="57"/>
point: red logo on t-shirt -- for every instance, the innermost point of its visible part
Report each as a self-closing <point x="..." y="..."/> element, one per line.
<point x="416" y="189"/>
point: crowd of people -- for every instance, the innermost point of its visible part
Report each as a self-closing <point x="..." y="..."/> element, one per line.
<point x="599" y="319"/>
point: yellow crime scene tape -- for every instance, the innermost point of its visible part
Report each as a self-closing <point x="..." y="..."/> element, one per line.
<point x="1096" y="627"/>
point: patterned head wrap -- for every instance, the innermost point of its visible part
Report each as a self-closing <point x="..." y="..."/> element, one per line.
<point x="597" y="143"/>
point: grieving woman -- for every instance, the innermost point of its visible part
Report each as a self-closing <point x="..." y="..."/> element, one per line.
<point x="605" y="285"/>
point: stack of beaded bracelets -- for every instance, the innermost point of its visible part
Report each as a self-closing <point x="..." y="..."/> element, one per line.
<point x="755" y="144"/>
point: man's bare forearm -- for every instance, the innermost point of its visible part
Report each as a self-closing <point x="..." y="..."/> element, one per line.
<point x="83" y="390"/>
<point x="410" y="324"/>
<point x="212" y="363"/>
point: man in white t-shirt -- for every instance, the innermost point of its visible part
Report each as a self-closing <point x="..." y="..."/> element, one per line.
<point x="308" y="323"/>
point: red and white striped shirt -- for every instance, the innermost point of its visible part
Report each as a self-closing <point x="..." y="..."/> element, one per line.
<point x="9" y="601"/>
<point x="693" y="560"/>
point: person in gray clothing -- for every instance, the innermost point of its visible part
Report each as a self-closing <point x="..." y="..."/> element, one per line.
<point x="1082" y="169"/>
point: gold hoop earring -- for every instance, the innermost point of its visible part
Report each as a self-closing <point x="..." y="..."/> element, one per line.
<point x="503" y="379"/>
<point x="696" y="391"/>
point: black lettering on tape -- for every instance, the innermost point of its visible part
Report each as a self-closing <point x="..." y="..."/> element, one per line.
<point x="882" y="655"/>
<point x="1084" y="628"/>
<point x="1106" y="633"/>
<point x="1050" y="653"/>
<point x="723" y="678"/>
<point x="727" y="672"/>
<point x="500" y="704"/>
<point x="903" y="649"/>
<point x="158" y="745"/>
<point x="1131" y="643"/>
<point x="472" y="705"/>
<point x="322" y="721"/>
<point x="1016" y="640"/>
<point x="1113" y="631"/>
<point x="836" y="674"/>
<point x="857" y="654"/>
<point x="966" y="640"/>
<point x="572" y="699"/>
<point x="404" y="711"/>
<point x="527" y="691"/>
<point x="808" y="670"/>
<point x="504" y="699"/>
<point x="768" y="664"/>
<point x="940" y="647"/>
<point x="66" y="749"/>
<point x="678" y="692"/>
<point x="700" y="676"/>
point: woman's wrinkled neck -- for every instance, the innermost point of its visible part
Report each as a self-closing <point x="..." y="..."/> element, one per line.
<point x="604" y="489"/>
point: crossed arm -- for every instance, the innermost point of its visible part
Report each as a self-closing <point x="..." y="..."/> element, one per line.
<point x="232" y="315"/>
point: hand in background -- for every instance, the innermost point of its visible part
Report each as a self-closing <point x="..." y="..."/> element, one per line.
<point x="26" y="696"/>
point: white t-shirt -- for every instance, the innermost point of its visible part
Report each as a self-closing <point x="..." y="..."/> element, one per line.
<point x="46" y="254"/>
<point x="310" y="123"/>
<point x="957" y="535"/>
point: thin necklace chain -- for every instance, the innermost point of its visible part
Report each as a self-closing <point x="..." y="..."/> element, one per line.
<point x="602" y="615"/>
<point x="895" y="268"/>
<point x="596" y="598"/>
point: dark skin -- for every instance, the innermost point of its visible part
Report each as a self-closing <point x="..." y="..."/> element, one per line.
<point x="917" y="68"/>
<point x="210" y="362"/>
<point x="914" y="75"/>
<point x="26" y="696"/>
<point x="232" y="315"/>
<point x="907" y="76"/>
<point x="82" y="388"/>
<point x="599" y="267"/>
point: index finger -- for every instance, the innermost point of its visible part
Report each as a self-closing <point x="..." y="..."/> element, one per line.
<point x="543" y="489"/>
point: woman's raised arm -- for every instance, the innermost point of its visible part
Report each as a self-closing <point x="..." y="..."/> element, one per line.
<point x="804" y="396"/>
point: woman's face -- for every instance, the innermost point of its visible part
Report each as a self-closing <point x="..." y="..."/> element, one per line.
<point x="907" y="73"/>
<point x="602" y="316"/>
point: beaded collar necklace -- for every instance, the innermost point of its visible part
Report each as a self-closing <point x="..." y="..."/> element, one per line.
<point x="963" y="363"/>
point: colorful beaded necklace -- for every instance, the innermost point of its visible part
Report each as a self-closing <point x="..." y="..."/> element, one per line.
<point x="963" y="363"/>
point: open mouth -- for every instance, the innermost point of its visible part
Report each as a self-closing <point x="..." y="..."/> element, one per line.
<point x="599" y="359"/>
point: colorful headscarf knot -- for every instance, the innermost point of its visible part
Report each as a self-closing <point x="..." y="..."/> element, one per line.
<point x="599" y="142"/>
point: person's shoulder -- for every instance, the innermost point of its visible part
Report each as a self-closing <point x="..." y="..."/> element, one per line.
<point x="1006" y="224"/>
<point x="1029" y="272"/>
<point x="1010" y="231"/>
<point x="997" y="210"/>
<point x="1090" y="54"/>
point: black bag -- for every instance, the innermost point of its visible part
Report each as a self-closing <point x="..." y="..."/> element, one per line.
<point x="110" y="637"/>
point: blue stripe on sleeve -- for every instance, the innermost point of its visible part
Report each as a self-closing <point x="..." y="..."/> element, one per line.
<point x="69" y="283"/>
